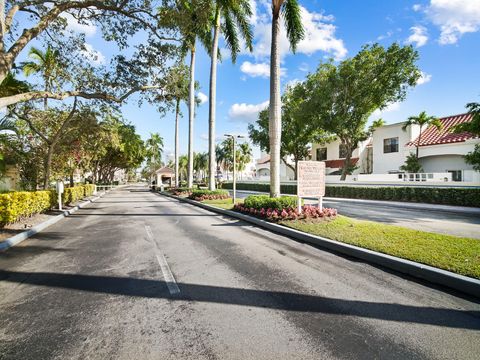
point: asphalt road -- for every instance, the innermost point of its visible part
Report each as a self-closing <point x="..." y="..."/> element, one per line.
<point x="437" y="221"/>
<point x="101" y="285"/>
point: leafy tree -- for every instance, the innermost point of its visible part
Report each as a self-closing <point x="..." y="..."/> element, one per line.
<point x="12" y="86"/>
<point x="290" y="9"/>
<point x="412" y="165"/>
<point x="342" y="97"/>
<point x="473" y="127"/>
<point x="423" y="121"/>
<point x="200" y="165"/>
<point x="298" y="132"/>
<point x="230" y="18"/>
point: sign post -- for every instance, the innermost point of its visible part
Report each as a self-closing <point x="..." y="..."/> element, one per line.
<point x="310" y="181"/>
<point x="59" y="192"/>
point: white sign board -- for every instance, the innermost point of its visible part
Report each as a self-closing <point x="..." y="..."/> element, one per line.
<point x="311" y="179"/>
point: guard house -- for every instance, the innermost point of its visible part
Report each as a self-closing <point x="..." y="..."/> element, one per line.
<point x="165" y="175"/>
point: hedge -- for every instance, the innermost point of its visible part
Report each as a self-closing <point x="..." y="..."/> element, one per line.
<point x="201" y="195"/>
<point x="17" y="205"/>
<point x="431" y="195"/>
<point x="259" y="202"/>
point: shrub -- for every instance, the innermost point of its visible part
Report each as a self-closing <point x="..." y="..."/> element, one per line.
<point x="73" y="194"/>
<point x="201" y="195"/>
<point x="18" y="205"/>
<point x="89" y="189"/>
<point x="431" y="195"/>
<point x="181" y="191"/>
<point x="264" y="201"/>
<point x="289" y="213"/>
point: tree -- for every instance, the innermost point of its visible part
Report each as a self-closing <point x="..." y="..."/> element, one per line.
<point x="423" y="121"/>
<point x="118" y="21"/>
<point x="224" y="155"/>
<point x="200" y="165"/>
<point x="290" y="9"/>
<point x="47" y="64"/>
<point x="154" y="149"/>
<point x="235" y="15"/>
<point x="472" y="127"/>
<point x="298" y="131"/>
<point x="412" y="165"/>
<point x="342" y="97"/>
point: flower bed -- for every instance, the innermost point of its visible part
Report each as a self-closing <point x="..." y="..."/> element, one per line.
<point x="180" y="191"/>
<point x="201" y="195"/>
<point x="289" y="213"/>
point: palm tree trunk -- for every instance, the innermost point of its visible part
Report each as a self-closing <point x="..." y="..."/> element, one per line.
<point x="213" y="104"/>
<point x="275" y="120"/>
<point x="191" y="116"/>
<point x="177" y="113"/>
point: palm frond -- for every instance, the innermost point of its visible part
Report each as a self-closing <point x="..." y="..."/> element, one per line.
<point x="293" y="22"/>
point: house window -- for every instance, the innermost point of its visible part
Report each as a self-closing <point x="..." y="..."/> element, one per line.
<point x="321" y="154"/>
<point x="456" y="175"/>
<point x="342" y="151"/>
<point x="390" y="145"/>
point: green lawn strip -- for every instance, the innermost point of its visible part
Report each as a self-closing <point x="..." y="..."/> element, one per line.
<point x="456" y="254"/>
<point x="226" y="204"/>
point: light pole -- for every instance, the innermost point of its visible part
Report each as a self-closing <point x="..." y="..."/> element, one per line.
<point x="233" y="137"/>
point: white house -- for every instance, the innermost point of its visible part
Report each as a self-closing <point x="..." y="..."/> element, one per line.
<point x="333" y="154"/>
<point x="262" y="169"/>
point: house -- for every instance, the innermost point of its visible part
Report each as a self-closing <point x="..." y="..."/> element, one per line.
<point x="334" y="153"/>
<point x="262" y="169"/>
<point x="440" y="151"/>
<point x="163" y="175"/>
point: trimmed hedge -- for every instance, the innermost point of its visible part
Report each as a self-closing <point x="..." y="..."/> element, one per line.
<point x="76" y="193"/>
<point x="201" y="195"/>
<point x="258" y="202"/>
<point x="18" y="205"/>
<point x="439" y="195"/>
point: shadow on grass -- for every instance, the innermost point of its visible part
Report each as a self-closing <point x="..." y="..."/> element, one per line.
<point x="276" y="300"/>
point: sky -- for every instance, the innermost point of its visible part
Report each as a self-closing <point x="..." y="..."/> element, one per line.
<point x="446" y="34"/>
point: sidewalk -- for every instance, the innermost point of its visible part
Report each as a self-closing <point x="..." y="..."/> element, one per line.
<point x="404" y="205"/>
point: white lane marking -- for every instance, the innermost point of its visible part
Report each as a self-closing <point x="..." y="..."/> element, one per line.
<point x="167" y="273"/>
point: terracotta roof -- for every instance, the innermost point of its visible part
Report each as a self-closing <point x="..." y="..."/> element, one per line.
<point x="337" y="164"/>
<point x="264" y="160"/>
<point x="433" y="136"/>
<point x="164" y="170"/>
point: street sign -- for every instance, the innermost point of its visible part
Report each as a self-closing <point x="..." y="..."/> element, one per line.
<point x="311" y="179"/>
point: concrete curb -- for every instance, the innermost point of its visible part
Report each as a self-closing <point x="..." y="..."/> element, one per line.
<point x="434" y="275"/>
<point x="397" y="204"/>
<point x="17" y="239"/>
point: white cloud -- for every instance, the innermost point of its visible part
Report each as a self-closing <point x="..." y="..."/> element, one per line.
<point x="424" y="78"/>
<point x="454" y="18"/>
<point x="94" y="56"/>
<point x="319" y="35"/>
<point x="417" y="7"/>
<point x="89" y="29"/>
<point x="303" y="67"/>
<point x="246" y="112"/>
<point x="259" y="69"/>
<point x="389" y="108"/>
<point x="419" y="36"/>
<point x="202" y="97"/>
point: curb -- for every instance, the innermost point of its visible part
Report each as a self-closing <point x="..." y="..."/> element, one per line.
<point x="17" y="239"/>
<point x="396" y="204"/>
<point x="434" y="275"/>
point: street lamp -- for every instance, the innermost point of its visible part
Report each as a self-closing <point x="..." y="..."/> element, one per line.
<point x="233" y="137"/>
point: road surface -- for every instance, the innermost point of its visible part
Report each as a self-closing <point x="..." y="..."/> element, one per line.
<point x="140" y="276"/>
<point x="437" y="221"/>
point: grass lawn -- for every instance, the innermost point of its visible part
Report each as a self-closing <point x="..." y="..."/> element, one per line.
<point x="226" y="204"/>
<point x="456" y="254"/>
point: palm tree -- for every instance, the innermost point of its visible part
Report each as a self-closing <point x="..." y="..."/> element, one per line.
<point x="243" y="156"/>
<point x="12" y="86"/>
<point x="154" y="149"/>
<point x="235" y="14"/>
<point x="182" y="166"/>
<point x="422" y="120"/>
<point x="290" y="9"/>
<point x="47" y="64"/>
<point x="201" y="164"/>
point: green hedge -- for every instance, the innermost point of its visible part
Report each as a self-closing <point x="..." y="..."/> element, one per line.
<point x="76" y="193"/>
<point x="18" y="205"/>
<point x="258" y="202"/>
<point x="445" y="196"/>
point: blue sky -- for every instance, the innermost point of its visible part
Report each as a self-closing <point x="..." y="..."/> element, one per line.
<point x="445" y="32"/>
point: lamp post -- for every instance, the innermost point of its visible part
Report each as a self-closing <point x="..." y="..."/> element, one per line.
<point x="233" y="137"/>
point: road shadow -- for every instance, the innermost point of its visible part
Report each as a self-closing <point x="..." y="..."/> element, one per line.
<point x="79" y="214"/>
<point x="27" y="250"/>
<point x="276" y="300"/>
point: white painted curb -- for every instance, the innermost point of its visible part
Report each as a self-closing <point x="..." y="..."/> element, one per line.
<point x="14" y="240"/>
<point x="434" y="275"/>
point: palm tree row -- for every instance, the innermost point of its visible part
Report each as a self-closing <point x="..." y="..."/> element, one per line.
<point x="207" y="21"/>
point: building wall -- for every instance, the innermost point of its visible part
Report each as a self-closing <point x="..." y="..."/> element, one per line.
<point x="443" y="163"/>
<point x="333" y="153"/>
<point x="386" y="162"/>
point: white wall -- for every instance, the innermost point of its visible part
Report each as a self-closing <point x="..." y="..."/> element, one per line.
<point x="333" y="153"/>
<point x="442" y="163"/>
<point x="385" y="162"/>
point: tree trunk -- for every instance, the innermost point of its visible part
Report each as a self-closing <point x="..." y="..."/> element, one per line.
<point x="48" y="164"/>
<point x="191" y="116"/>
<point x="177" y="113"/>
<point x="275" y="120"/>
<point x="212" y="104"/>
<point x="71" y="180"/>
<point x="346" y="164"/>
